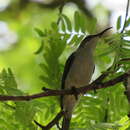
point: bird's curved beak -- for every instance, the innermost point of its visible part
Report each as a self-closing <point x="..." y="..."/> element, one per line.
<point x="101" y="33"/>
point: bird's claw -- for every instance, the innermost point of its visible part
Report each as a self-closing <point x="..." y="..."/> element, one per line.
<point x="97" y="83"/>
<point x="76" y="93"/>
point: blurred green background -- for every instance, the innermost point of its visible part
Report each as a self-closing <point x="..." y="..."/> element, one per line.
<point x="20" y="41"/>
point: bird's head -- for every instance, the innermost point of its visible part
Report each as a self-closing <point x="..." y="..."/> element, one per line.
<point x="91" y="40"/>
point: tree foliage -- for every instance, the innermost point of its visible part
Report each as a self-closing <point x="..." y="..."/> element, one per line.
<point x="107" y="109"/>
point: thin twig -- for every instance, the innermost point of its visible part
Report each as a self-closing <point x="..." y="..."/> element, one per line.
<point x="125" y="59"/>
<point x="58" y="126"/>
<point x="38" y="124"/>
<point x="52" y="123"/>
<point x="126" y="15"/>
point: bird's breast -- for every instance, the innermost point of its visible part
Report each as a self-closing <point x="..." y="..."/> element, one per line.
<point x="81" y="71"/>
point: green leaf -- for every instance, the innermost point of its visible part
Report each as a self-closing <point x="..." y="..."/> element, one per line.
<point x="127" y="33"/>
<point x="54" y="26"/>
<point x="83" y="23"/>
<point x="107" y="125"/>
<point x="125" y="122"/>
<point x="63" y="27"/>
<point x="118" y="25"/>
<point x="9" y="83"/>
<point x="78" y="41"/>
<point x="91" y="25"/>
<point x="76" y="21"/>
<point x="107" y="51"/>
<point x="25" y="112"/>
<point x="73" y="40"/>
<point x="127" y="23"/>
<point x="68" y="22"/>
<point x="40" y="32"/>
<point x="40" y="48"/>
<point x="12" y="79"/>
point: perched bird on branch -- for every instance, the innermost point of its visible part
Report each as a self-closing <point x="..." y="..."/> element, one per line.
<point x="78" y="71"/>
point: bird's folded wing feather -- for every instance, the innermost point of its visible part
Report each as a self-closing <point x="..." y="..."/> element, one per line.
<point x="67" y="67"/>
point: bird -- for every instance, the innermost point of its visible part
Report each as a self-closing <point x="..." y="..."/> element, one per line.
<point x="78" y="72"/>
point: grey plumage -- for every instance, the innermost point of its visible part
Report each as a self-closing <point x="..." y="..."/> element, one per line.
<point x="77" y="73"/>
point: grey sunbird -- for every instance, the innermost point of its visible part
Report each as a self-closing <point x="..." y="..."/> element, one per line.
<point x="78" y="72"/>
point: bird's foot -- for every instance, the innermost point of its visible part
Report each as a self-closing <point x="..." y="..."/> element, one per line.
<point x="45" y="89"/>
<point x="97" y="84"/>
<point x="76" y="93"/>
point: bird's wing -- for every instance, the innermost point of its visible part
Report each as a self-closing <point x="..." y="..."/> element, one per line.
<point x="93" y="69"/>
<point x="67" y="67"/>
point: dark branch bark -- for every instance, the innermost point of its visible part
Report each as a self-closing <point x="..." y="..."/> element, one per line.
<point x="97" y="84"/>
<point x="52" y="123"/>
<point x="126" y="15"/>
<point x="80" y="3"/>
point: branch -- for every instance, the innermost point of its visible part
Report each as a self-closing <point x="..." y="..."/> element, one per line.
<point x="97" y="84"/>
<point x="52" y="123"/>
<point x="127" y="92"/>
<point x="126" y="15"/>
<point x="127" y="85"/>
<point x="125" y="59"/>
<point x="56" y="3"/>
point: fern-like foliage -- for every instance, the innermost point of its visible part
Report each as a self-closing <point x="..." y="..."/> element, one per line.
<point x="105" y="110"/>
<point x="95" y="111"/>
<point x="14" y="114"/>
<point x="57" y="44"/>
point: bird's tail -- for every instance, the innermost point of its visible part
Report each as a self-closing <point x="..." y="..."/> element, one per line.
<point x="66" y="123"/>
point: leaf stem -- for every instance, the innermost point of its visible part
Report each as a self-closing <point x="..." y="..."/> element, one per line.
<point x="126" y="15"/>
